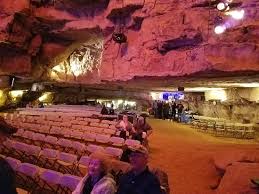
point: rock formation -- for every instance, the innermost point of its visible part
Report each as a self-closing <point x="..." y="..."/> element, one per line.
<point x="164" y="38"/>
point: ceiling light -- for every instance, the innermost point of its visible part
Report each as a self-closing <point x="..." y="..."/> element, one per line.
<point x="222" y="6"/>
<point x="236" y="14"/>
<point x="219" y="29"/>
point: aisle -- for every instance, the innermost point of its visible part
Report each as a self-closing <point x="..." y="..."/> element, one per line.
<point x="187" y="155"/>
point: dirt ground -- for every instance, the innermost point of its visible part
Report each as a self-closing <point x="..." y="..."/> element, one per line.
<point x="187" y="155"/>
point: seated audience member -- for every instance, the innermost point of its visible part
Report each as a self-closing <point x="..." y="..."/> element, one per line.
<point x="125" y="154"/>
<point x="97" y="181"/>
<point x="7" y="174"/>
<point x="139" y="180"/>
<point x="141" y="129"/>
<point x="123" y="126"/>
<point x="104" y="110"/>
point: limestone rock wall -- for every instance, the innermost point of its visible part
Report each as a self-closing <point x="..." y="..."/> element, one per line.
<point x="164" y="37"/>
<point x="241" y="105"/>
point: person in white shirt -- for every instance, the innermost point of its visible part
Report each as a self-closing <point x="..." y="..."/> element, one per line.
<point x="97" y="181"/>
<point x="124" y="126"/>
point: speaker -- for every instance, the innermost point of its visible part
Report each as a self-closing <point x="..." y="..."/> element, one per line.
<point x="181" y="89"/>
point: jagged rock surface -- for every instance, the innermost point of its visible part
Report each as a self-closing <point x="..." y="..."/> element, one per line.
<point x="164" y="38"/>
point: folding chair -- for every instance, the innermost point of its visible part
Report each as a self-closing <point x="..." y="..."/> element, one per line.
<point x="220" y="129"/>
<point x="48" y="158"/>
<point x="96" y="130"/>
<point x="116" y="152"/>
<point x="117" y="141"/>
<point x="19" y="150"/>
<point x="7" y="147"/>
<point x="32" y="154"/>
<point x="79" y="148"/>
<point x="109" y="131"/>
<point x="28" y="136"/>
<point x="50" y="142"/>
<point x="49" y="182"/>
<point x="249" y="132"/>
<point x="54" y="130"/>
<point x="95" y="148"/>
<point x="69" y="182"/>
<point x="131" y="142"/>
<point x="93" y="124"/>
<point x="102" y="138"/>
<point x="66" y="162"/>
<point x="77" y="134"/>
<point x="83" y="165"/>
<point x="89" y="137"/>
<point x="27" y="176"/>
<point x="38" y="139"/>
<point x="230" y="130"/>
<point x="64" y="145"/>
<point x="103" y="125"/>
<point x="19" y="133"/>
<point x="14" y="163"/>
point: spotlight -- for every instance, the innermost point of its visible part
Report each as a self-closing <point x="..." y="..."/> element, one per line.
<point x="219" y="29"/>
<point x="236" y="14"/>
<point x="222" y="6"/>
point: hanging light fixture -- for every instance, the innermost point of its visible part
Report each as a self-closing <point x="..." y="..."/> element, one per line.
<point x="222" y="6"/>
<point x="220" y="29"/>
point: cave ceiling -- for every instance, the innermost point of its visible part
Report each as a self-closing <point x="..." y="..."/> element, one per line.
<point x="168" y="44"/>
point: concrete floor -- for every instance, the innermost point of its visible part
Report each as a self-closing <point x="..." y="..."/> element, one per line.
<point x="187" y="155"/>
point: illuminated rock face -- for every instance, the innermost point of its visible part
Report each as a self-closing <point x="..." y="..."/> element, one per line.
<point x="164" y="38"/>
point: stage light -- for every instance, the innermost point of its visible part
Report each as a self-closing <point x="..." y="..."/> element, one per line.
<point x="219" y="29"/>
<point x="236" y="14"/>
<point x="222" y="6"/>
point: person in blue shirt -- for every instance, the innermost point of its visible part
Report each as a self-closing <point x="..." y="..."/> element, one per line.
<point x="139" y="180"/>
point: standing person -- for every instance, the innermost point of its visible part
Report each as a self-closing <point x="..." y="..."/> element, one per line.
<point x="139" y="180"/>
<point x="180" y="108"/>
<point x="155" y="109"/>
<point x="123" y="126"/>
<point x="7" y="174"/>
<point x="141" y="129"/>
<point x="97" y="181"/>
<point x="111" y="112"/>
<point x="159" y="109"/>
<point x="173" y="107"/>
<point x="104" y="110"/>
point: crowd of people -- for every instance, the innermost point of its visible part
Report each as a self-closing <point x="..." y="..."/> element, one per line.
<point x="167" y="110"/>
<point x="138" y="130"/>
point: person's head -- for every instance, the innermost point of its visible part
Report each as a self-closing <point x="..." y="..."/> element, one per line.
<point x="141" y="120"/>
<point x="97" y="167"/>
<point x="125" y="118"/>
<point x="5" y="130"/>
<point x="138" y="158"/>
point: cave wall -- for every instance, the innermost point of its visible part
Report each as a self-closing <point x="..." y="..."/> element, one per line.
<point x="164" y="37"/>
<point x="241" y="105"/>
